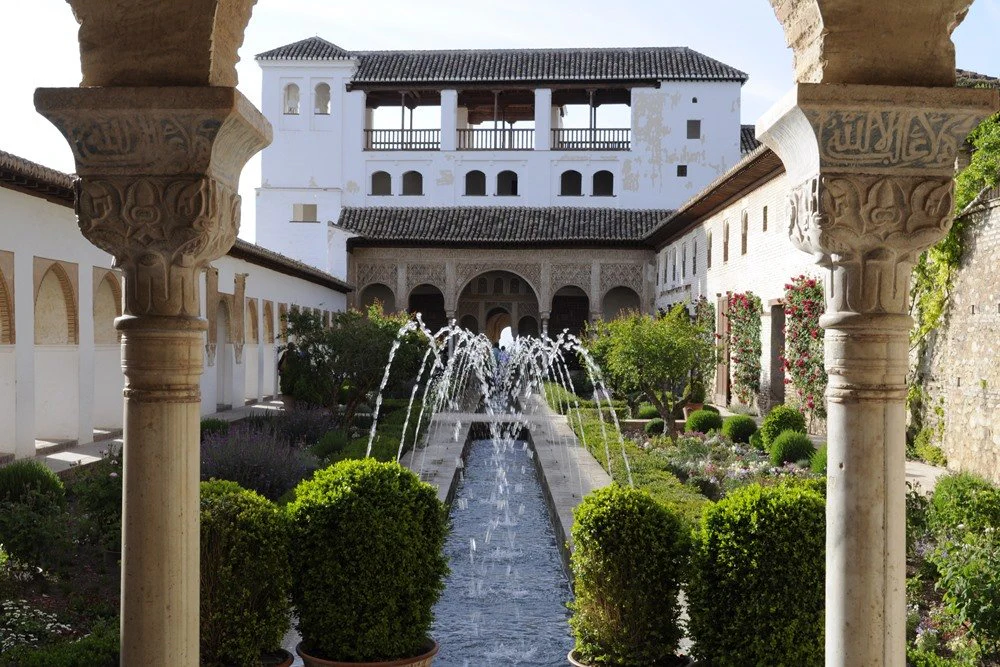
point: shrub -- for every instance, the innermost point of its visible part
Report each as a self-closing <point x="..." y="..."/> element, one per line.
<point x="368" y="563"/>
<point x="963" y="499"/>
<point x="818" y="462"/>
<point x="710" y="408"/>
<point x="258" y="460"/>
<point x="655" y="427"/>
<point x="703" y="421"/>
<point x="780" y="419"/>
<point x="739" y="428"/>
<point x="35" y="530"/>
<point x="925" y="449"/>
<point x="647" y="411"/>
<point x="212" y="426"/>
<point x="756" y="441"/>
<point x="98" y="492"/>
<point x="98" y="649"/>
<point x="967" y="574"/>
<point x="743" y="612"/>
<point x="302" y="426"/>
<point x="331" y="444"/>
<point x="791" y="447"/>
<point x="245" y="577"/>
<point x="21" y="478"/>
<point x="629" y="552"/>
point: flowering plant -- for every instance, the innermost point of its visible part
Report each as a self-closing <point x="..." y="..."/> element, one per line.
<point x="803" y="358"/>
<point x="744" y="344"/>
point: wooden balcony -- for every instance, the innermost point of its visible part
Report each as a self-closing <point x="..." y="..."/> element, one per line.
<point x="587" y="139"/>
<point x="489" y="139"/>
<point x="402" y="140"/>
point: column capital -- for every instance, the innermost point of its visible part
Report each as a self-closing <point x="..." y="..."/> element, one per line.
<point x="870" y="171"/>
<point x="158" y="176"/>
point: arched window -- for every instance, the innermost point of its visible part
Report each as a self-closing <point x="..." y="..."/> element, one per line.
<point x="413" y="183"/>
<point x="107" y="306"/>
<point x="498" y="285"/>
<point x="321" y="98"/>
<point x="6" y="313"/>
<point x="291" y="106"/>
<point x="684" y="260"/>
<point x="475" y="183"/>
<point x="725" y="242"/>
<point x="744" y="230"/>
<point x="708" y="251"/>
<point x="55" y="309"/>
<point x="571" y="184"/>
<point x="515" y="285"/>
<point x="604" y="184"/>
<point x="694" y="259"/>
<point x="507" y="184"/>
<point x="381" y="184"/>
<point x="482" y="285"/>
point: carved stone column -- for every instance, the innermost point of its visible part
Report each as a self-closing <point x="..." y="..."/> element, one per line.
<point x="871" y="171"/>
<point x="158" y="174"/>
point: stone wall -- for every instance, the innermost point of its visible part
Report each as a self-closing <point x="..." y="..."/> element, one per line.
<point x="963" y="377"/>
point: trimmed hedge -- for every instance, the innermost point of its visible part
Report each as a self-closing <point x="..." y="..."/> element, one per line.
<point x="20" y="479"/>
<point x="739" y="428"/>
<point x="647" y="411"/>
<point x="368" y="563"/>
<point x="213" y="426"/>
<point x="963" y="499"/>
<point x="703" y="421"/>
<point x="655" y="427"/>
<point x="755" y="595"/>
<point x="791" y="447"/>
<point x="818" y="462"/>
<point x="628" y="559"/>
<point x="756" y="441"/>
<point x="98" y="649"/>
<point x="245" y="577"/>
<point x="780" y="419"/>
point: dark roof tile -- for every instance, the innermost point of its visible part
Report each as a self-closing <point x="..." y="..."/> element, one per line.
<point x="748" y="139"/>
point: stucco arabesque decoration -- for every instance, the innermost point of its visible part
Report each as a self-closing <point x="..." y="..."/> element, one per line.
<point x="621" y="274"/>
<point x="158" y="176"/>
<point x="874" y="187"/>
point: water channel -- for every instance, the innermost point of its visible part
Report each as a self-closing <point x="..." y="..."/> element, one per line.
<point x="505" y="600"/>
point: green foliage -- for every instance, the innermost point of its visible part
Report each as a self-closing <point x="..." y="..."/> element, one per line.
<point x="757" y="441"/>
<point x="703" y="421"/>
<point x="744" y="344"/>
<point x="368" y="563"/>
<point x="925" y="449"/>
<point x="213" y="426"/>
<point x="345" y="362"/>
<point x="743" y="612"/>
<point x="935" y="270"/>
<point x="791" y="447"/>
<point x="21" y="478"/>
<point x="98" y="493"/>
<point x="818" y="462"/>
<point x="917" y="504"/>
<point x="963" y="502"/>
<point x="650" y="355"/>
<point x="647" y="411"/>
<point x="98" y="649"/>
<point x="330" y="445"/>
<point x="35" y="530"/>
<point x="245" y="577"/>
<point x="781" y="418"/>
<point x="739" y="428"/>
<point x="919" y="657"/>
<point x="708" y="355"/>
<point x="628" y="560"/>
<point x="803" y="359"/>
<point x="655" y="427"/>
<point x="970" y="580"/>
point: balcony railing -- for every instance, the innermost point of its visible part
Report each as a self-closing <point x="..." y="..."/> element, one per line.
<point x="489" y="139"/>
<point x="402" y="140"/>
<point x="587" y="139"/>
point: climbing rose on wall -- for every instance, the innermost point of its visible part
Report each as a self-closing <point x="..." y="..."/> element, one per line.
<point x="803" y="359"/>
<point x="744" y="344"/>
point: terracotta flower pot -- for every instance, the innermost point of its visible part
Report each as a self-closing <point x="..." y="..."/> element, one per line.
<point x="423" y="660"/>
<point x="692" y="407"/>
<point x="280" y="658"/>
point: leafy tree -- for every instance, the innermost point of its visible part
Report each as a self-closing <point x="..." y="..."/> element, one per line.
<point x="651" y="355"/>
<point x="345" y="362"/>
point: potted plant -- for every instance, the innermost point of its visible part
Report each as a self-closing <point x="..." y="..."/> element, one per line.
<point x="628" y="556"/>
<point x="245" y="578"/>
<point x="368" y="565"/>
<point x="694" y="396"/>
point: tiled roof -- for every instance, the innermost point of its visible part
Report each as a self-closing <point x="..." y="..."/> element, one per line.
<point x="505" y="65"/>
<point x="748" y="139"/>
<point x="312" y="48"/>
<point x="33" y="178"/>
<point x="508" y="226"/>
<point x="275" y="261"/>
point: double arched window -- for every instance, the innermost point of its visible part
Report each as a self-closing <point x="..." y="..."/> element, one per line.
<point x="321" y="99"/>
<point x="291" y="100"/>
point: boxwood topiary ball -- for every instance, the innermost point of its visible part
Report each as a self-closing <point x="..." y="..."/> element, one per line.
<point x="655" y="427"/>
<point x="791" y="447"/>
<point x="739" y="428"/>
<point x="703" y="421"/>
<point x="781" y="418"/>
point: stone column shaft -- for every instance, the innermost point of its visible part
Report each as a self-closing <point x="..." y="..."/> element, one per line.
<point x="157" y="189"/>
<point x="870" y="170"/>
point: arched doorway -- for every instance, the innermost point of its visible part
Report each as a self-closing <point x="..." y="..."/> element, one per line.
<point x="378" y="292"/>
<point x="223" y="359"/>
<point x="470" y="323"/>
<point x="428" y="300"/>
<point x="570" y="310"/>
<point x="497" y="299"/>
<point x="527" y="326"/>
<point x="619" y="300"/>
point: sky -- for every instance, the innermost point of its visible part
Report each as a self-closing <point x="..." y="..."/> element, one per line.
<point x="38" y="42"/>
